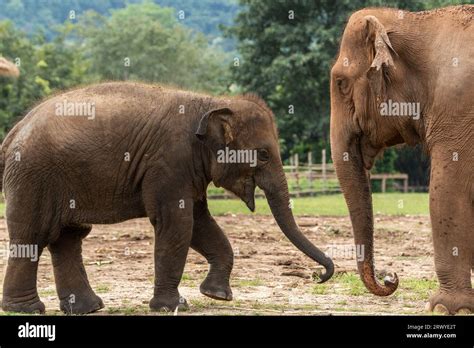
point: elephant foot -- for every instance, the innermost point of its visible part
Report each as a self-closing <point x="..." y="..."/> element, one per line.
<point x="216" y="289"/>
<point x="168" y="304"/>
<point x="81" y="304"/>
<point x="457" y="302"/>
<point x="32" y="306"/>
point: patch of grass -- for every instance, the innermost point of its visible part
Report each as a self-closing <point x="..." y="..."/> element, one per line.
<point x="185" y="277"/>
<point x="128" y="310"/>
<point x="275" y="306"/>
<point x="320" y="289"/>
<point x="328" y="205"/>
<point x="250" y="305"/>
<point x="47" y="292"/>
<point x="348" y="309"/>
<point x="200" y="303"/>
<point x="248" y="282"/>
<point x="331" y="205"/>
<point x="188" y="280"/>
<point x="102" y="288"/>
<point x="8" y="314"/>
<point x="417" y="289"/>
<point x="352" y="284"/>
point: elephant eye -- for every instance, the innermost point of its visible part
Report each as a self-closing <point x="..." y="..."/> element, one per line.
<point x="263" y="155"/>
<point x="342" y="84"/>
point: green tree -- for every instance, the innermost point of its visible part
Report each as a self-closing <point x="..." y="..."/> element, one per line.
<point x="203" y="16"/>
<point x="44" y="68"/>
<point x="286" y="50"/>
<point x="146" y="42"/>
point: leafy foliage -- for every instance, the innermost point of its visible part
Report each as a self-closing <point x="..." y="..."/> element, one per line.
<point x="152" y="46"/>
<point x="33" y="16"/>
<point x="44" y="67"/>
<point x="287" y="48"/>
<point x="93" y="48"/>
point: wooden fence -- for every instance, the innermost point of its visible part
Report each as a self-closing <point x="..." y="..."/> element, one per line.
<point x="310" y="179"/>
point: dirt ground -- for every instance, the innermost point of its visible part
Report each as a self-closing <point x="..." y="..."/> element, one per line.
<point x="270" y="276"/>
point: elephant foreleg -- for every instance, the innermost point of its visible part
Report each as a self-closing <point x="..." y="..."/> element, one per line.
<point x="210" y="241"/>
<point x="173" y="231"/>
<point x="75" y="293"/>
<point x="452" y="219"/>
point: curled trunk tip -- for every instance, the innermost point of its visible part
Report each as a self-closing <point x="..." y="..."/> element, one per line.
<point x="367" y="276"/>
<point x="329" y="266"/>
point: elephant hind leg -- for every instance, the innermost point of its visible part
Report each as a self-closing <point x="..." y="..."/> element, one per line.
<point x="20" y="292"/>
<point x="210" y="241"/>
<point x="75" y="293"/>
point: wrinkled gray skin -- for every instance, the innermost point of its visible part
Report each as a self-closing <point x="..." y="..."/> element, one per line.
<point x="149" y="152"/>
<point x="425" y="58"/>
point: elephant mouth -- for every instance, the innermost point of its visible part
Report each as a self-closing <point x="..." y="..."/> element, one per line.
<point x="249" y="193"/>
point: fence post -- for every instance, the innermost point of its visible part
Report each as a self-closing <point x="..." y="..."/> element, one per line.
<point x="310" y="170"/>
<point x="297" y="174"/>
<point x="384" y="183"/>
<point x="323" y="163"/>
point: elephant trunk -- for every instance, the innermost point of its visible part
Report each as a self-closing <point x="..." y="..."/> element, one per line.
<point x="276" y="191"/>
<point x="354" y="180"/>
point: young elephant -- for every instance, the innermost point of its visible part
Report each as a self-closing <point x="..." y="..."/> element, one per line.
<point x="406" y="77"/>
<point x="118" y="151"/>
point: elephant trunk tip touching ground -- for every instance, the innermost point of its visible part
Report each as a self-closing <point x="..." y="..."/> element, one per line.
<point x="276" y="192"/>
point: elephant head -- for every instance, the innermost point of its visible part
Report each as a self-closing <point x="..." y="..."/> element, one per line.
<point x="370" y="72"/>
<point x="7" y="68"/>
<point x="245" y="128"/>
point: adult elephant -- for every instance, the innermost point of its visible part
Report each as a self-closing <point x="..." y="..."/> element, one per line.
<point x="404" y="77"/>
<point x="116" y="151"/>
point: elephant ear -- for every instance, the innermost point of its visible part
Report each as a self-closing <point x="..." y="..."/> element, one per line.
<point x="377" y="36"/>
<point x="214" y="129"/>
